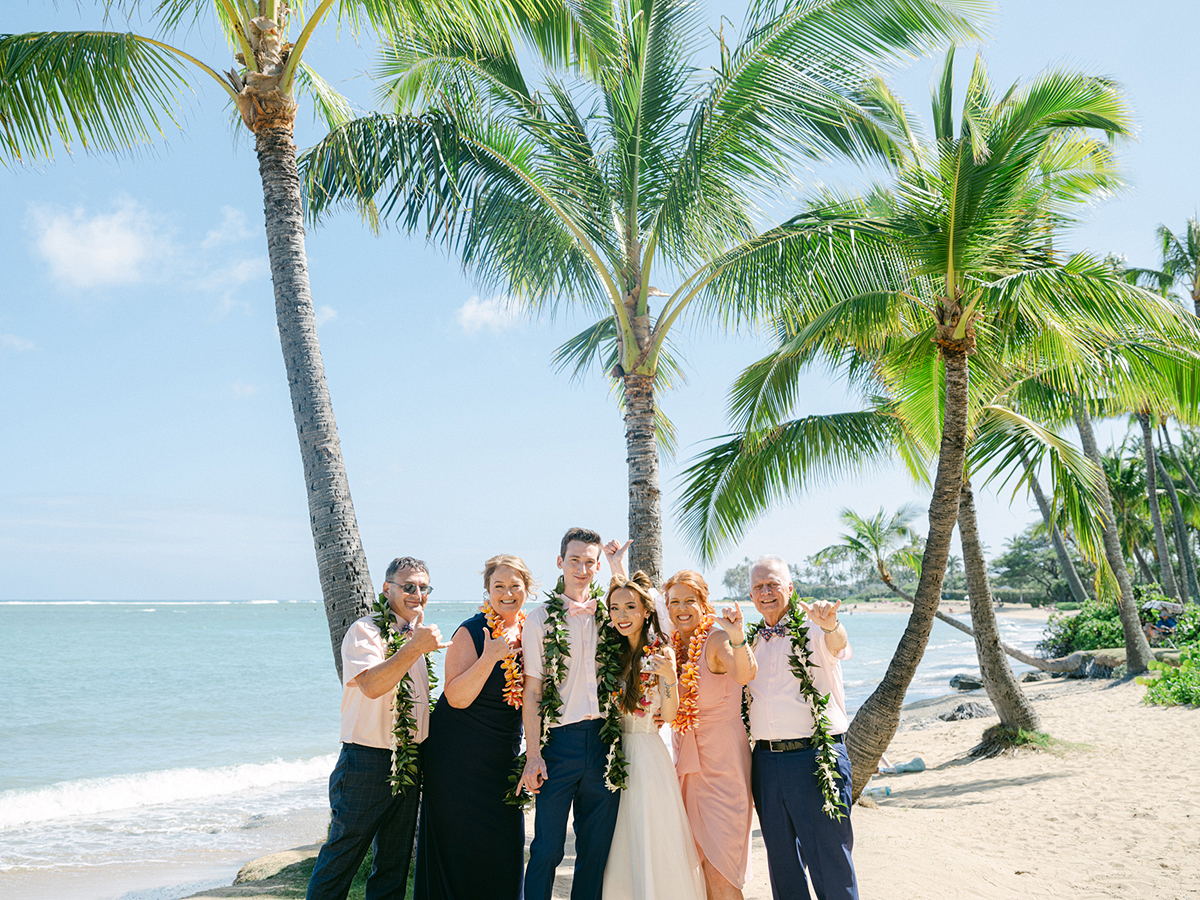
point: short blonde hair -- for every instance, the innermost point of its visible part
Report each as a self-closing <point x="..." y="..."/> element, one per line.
<point x="696" y="582"/>
<point x="513" y="562"/>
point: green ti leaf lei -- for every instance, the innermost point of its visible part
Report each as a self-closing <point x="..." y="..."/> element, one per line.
<point x="556" y="653"/>
<point x="404" y="718"/>
<point x="799" y="660"/>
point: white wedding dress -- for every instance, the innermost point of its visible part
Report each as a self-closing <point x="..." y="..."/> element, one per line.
<point x="653" y="856"/>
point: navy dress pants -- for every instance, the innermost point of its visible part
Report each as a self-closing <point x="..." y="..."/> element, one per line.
<point x="575" y="762"/>
<point x="797" y="834"/>
<point x="366" y="814"/>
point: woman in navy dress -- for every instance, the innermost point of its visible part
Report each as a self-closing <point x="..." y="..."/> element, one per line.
<point x="472" y="843"/>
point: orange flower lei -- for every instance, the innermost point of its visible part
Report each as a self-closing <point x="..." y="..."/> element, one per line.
<point x="689" y="676"/>
<point x="514" y="681"/>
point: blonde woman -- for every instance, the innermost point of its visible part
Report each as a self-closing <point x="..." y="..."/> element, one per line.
<point x="471" y="842"/>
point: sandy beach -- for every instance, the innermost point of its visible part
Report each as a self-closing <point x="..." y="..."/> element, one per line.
<point x="1111" y="811"/>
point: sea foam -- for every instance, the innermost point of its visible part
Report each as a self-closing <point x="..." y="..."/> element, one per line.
<point x="91" y="796"/>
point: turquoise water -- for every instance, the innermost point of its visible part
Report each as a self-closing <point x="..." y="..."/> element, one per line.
<point x="140" y="737"/>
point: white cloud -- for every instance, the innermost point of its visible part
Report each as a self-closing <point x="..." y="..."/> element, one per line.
<point x="324" y="313"/>
<point x="495" y="314"/>
<point x="231" y="230"/>
<point x="19" y="344"/>
<point x="102" y="249"/>
<point x="242" y="389"/>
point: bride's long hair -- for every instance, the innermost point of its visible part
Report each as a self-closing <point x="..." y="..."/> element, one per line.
<point x="631" y="659"/>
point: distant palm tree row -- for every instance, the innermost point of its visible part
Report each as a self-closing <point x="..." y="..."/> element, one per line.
<point x="577" y="153"/>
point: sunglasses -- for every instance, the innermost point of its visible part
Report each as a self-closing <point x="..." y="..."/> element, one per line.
<point x="409" y="588"/>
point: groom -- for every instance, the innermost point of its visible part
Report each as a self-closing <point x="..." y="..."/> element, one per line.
<point x="569" y="771"/>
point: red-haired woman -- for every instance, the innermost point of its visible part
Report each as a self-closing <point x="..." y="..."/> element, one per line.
<point x="652" y="854"/>
<point x="712" y="752"/>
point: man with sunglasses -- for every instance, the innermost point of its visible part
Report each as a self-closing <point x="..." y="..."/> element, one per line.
<point x="365" y="812"/>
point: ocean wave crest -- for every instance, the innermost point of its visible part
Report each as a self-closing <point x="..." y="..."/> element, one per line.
<point x="91" y="796"/>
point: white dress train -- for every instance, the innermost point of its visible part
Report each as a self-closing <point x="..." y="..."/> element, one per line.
<point x="653" y="855"/>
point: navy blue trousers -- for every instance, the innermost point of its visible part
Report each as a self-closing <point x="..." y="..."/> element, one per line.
<point x="798" y="835"/>
<point x="575" y="761"/>
<point x="365" y="814"/>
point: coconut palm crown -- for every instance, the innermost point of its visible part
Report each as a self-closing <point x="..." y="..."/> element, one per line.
<point x="627" y="183"/>
<point x="946" y="273"/>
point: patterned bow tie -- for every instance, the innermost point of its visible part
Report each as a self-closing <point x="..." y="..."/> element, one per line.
<point x="576" y="608"/>
<point x="769" y="631"/>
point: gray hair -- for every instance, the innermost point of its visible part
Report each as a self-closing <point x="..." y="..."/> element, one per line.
<point x="405" y="562"/>
<point x="764" y="562"/>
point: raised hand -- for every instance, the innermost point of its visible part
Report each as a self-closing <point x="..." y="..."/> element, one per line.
<point x="662" y="664"/>
<point x="496" y="648"/>
<point x="614" y="552"/>
<point x="822" y="612"/>
<point x="733" y="622"/>
<point x="533" y="776"/>
<point x="427" y="638"/>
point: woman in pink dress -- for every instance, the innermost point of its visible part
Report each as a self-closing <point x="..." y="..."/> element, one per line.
<point x="712" y="751"/>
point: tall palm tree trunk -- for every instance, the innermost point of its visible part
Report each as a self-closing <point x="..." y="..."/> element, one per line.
<point x="645" y="498"/>
<point x="1009" y="701"/>
<point x="1137" y="650"/>
<point x="875" y="723"/>
<point x="1147" y="575"/>
<point x="1166" y="574"/>
<point x="1070" y="573"/>
<point x="1186" y="563"/>
<point x="341" y="562"/>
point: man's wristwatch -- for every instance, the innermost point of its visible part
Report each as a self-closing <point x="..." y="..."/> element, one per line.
<point x="830" y="630"/>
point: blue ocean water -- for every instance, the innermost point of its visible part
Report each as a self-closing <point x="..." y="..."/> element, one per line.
<point x="148" y="749"/>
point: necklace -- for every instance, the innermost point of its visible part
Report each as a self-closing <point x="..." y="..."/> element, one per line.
<point x="514" y="682"/>
<point x="404" y="716"/>
<point x="689" y="675"/>
<point x="799" y="660"/>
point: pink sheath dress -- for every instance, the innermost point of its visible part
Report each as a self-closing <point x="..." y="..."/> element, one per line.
<point x="713" y="764"/>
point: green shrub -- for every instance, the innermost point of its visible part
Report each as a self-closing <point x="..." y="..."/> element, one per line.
<point x="1095" y="626"/>
<point x="1175" y="686"/>
<point x="1068" y="606"/>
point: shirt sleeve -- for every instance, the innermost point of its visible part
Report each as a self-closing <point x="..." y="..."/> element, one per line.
<point x="531" y="642"/>
<point x="362" y="648"/>
<point x="817" y="635"/>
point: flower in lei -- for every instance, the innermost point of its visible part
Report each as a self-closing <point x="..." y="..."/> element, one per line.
<point x="689" y="675"/>
<point x="800" y="659"/>
<point x="404" y="718"/>
<point x="514" y="680"/>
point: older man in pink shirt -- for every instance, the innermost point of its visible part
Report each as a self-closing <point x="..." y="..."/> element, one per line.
<point x="797" y="832"/>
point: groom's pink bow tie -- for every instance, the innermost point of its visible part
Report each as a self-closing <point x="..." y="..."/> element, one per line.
<point x="577" y="608"/>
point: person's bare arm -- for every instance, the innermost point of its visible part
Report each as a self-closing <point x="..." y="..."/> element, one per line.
<point x="726" y="658"/>
<point x="614" y="552"/>
<point x="662" y="664"/>
<point x="466" y="671"/>
<point x="383" y="677"/>
<point x="531" y="717"/>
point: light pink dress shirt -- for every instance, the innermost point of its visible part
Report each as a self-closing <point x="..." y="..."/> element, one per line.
<point x="366" y="721"/>
<point x="778" y="711"/>
<point x="578" y="687"/>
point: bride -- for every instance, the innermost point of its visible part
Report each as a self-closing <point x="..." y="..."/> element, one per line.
<point x="653" y="856"/>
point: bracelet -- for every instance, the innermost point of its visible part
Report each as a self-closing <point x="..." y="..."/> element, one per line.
<point x="734" y="646"/>
<point x="831" y="630"/>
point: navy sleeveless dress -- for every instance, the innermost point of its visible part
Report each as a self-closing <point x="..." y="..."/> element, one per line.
<point x="471" y="844"/>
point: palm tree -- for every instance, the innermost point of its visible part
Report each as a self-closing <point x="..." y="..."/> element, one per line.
<point x="632" y="169"/>
<point x="1181" y="257"/>
<point x="1065" y="563"/>
<point x="1150" y="455"/>
<point x="953" y="253"/>
<point x="1125" y="481"/>
<point x="111" y="91"/>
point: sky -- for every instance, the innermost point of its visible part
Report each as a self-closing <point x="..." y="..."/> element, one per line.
<point x="147" y="447"/>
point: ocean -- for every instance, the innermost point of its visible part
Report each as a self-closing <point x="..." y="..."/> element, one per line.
<point x="149" y="749"/>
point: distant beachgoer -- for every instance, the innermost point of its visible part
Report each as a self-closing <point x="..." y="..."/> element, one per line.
<point x="653" y="855"/>
<point x="568" y="772"/>
<point x="712" y="757"/>
<point x="793" y="809"/>
<point x="372" y="807"/>
<point x="472" y="842"/>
